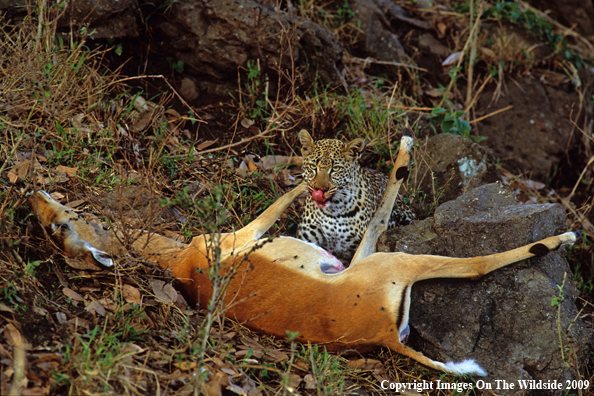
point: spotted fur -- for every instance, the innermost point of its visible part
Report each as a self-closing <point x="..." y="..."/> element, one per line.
<point x="343" y="196"/>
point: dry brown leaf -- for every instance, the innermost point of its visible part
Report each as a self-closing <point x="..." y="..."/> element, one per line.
<point x="72" y="294"/>
<point x="75" y="204"/>
<point x="310" y="382"/>
<point x="229" y="371"/>
<point x="294" y="380"/>
<point x="96" y="307"/>
<point x="131" y="294"/>
<point x="214" y="387"/>
<point x="253" y="353"/>
<point x="277" y="356"/>
<point x="13" y="335"/>
<point x="246" y="122"/>
<point x="181" y="302"/>
<point x="270" y="162"/>
<point x="163" y="292"/>
<point x="170" y="292"/>
<point x="441" y="29"/>
<point x="81" y="264"/>
<point x="70" y="172"/>
<point x="373" y="365"/>
<point x="532" y="185"/>
<point x="57" y="196"/>
<point x="301" y="365"/>
<point x="13" y="177"/>
<point x="132" y="349"/>
<point x="487" y="52"/>
<point x="144" y="119"/>
<point x="284" y="178"/>
<point x="433" y="92"/>
<point x="40" y="311"/>
<point x="108" y="303"/>
<point x="206" y="144"/>
<point x="59" y="176"/>
<point x="47" y="358"/>
<point x="62" y="318"/>
<point x="172" y="115"/>
<point x="185" y="365"/>
<point x="47" y="362"/>
<point x="77" y="120"/>
<point x="142" y="104"/>
<point x="172" y="143"/>
<point x="77" y="322"/>
<point x="48" y="366"/>
<point x="21" y="170"/>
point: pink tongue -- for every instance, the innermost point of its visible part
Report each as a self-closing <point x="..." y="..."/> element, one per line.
<point x="318" y="196"/>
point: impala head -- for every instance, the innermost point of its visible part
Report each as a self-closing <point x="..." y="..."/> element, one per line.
<point x="73" y="234"/>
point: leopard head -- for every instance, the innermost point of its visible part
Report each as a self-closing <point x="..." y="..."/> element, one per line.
<point x="329" y="165"/>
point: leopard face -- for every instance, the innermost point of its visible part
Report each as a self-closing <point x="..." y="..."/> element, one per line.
<point x="342" y="196"/>
<point x="329" y="168"/>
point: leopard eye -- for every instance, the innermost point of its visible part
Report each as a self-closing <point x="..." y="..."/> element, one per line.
<point x="313" y="167"/>
<point x="336" y="168"/>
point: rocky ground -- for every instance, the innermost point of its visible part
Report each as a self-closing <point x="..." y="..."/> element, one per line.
<point x="182" y="118"/>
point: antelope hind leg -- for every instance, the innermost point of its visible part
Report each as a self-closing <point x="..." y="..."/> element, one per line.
<point x="430" y="267"/>
<point x="406" y="268"/>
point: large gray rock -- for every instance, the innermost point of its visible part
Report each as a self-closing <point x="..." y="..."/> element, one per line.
<point x="505" y="321"/>
<point x="215" y="38"/>
<point x="105" y="18"/>
<point x="376" y="38"/>
<point x="455" y="165"/>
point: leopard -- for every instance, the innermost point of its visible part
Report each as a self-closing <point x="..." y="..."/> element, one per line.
<point x="342" y="196"/>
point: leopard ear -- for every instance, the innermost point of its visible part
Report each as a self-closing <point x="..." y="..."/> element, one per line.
<point x="307" y="143"/>
<point x="354" y="149"/>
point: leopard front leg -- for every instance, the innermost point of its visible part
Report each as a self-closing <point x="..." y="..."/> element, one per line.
<point x="308" y="228"/>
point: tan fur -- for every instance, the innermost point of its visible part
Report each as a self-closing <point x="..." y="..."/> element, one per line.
<point x="278" y="285"/>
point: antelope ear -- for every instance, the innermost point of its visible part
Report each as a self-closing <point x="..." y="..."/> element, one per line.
<point x="307" y="143"/>
<point x="354" y="149"/>
<point x="98" y="255"/>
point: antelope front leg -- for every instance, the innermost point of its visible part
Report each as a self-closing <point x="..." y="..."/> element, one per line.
<point x="262" y="223"/>
<point x="379" y="222"/>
